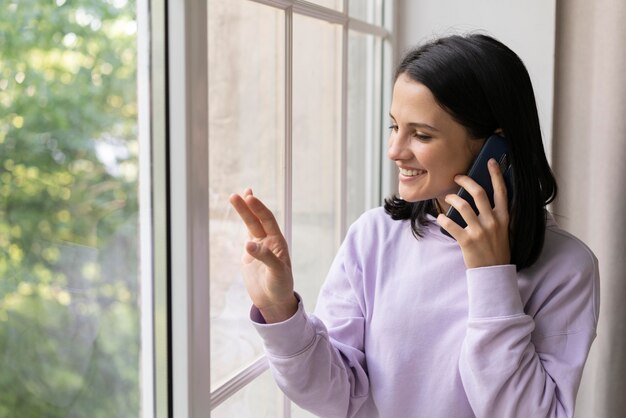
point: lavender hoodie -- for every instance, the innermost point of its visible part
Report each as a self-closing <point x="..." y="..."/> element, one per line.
<point x="403" y="329"/>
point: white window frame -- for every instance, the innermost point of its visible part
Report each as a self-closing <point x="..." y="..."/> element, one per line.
<point x="154" y="210"/>
<point x="176" y="313"/>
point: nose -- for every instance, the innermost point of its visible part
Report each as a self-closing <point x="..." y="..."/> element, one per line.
<point x="396" y="149"/>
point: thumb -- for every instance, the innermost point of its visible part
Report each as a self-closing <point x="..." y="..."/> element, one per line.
<point x="264" y="255"/>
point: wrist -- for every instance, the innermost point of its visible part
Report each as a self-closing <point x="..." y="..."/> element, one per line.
<point x="279" y="312"/>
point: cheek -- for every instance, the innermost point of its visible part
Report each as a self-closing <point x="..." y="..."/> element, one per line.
<point x="459" y="161"/>
<point x="465" y="163"/>
<point x="432" y="159"/>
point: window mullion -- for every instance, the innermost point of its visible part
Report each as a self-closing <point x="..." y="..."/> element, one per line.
<point x="330" y="15"/>
<point x="343" y="152"/>
<point x="156" y="259"/>
<point x="367" y="28"/>
<point x="188" y="158"/>
<point x="237" y="382"/>
<point x="288" y="174"/>
<point x="147" y="243"/>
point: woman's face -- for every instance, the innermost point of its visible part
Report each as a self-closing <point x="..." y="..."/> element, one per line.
<point x="427" y="144"/>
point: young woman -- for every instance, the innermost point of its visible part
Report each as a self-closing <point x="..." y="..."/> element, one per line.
<point x="496" y="321"/>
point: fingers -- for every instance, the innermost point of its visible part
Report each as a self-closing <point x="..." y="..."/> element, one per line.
<point x="480" y="196"/>
<point x="476" y="191"/>
<point x="254" y="225"/>
<point x="264" y="215"/>
<point x="463" y="207"/>
<point x="449" y="225"/>
<point x="487" y="216"/>
<point x="259" y="220"/>
<point x="484" y="242"/>
<point x="499" y="187"/>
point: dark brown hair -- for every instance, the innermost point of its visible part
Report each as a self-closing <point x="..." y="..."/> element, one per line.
<point x="485" y="86"/>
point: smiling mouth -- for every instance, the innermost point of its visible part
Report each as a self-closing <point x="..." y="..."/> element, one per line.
<point x="411" y="173"/>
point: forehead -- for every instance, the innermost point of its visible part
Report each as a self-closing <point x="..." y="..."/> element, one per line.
<point x="414" y="102"/>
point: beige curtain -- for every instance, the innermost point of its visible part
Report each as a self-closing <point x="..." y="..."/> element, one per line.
<point x="589" y="160"/>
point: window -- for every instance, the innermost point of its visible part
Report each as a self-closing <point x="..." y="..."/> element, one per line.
<point x="107" y="241"/>
<point x="295" y="104"/>
<point x="69" y="261"/>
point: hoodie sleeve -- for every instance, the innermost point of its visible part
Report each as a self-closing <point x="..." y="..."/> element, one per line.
<point x="513" y="364"/>
<point x="321" y="365"/>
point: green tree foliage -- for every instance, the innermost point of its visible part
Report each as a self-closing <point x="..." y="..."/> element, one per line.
<point x="69" y="318"/>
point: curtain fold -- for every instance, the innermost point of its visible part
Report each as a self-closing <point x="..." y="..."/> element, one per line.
<point x="589" y="161"/>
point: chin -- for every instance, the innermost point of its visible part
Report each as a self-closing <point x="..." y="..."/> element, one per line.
<point x="412" y="198"/>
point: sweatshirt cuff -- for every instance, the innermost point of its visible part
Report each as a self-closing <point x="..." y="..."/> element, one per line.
<point x="493" y="292"/>
<point x="287" y="338"/>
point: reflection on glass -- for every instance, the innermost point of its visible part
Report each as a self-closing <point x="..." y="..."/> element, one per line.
<point x="364" y="144"/>
<point x="316" y="147"/>
<point x="259" y="399"/>
<point x="69" y="318"/>
<point x="246" y="141"/>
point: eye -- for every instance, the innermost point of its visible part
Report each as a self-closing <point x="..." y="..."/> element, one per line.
<point x="421" y="136"/>
<point x="393" y="127"/>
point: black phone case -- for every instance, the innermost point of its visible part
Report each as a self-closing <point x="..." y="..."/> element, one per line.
<point x="494" y="147"/>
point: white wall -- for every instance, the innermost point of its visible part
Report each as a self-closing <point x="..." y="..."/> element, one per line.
<point x="527" y="27"/>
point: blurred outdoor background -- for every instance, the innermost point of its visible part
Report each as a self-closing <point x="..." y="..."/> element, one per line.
<point x="69" y="317"/>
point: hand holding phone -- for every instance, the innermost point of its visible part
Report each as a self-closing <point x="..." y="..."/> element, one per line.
<point x="494" y="147"/>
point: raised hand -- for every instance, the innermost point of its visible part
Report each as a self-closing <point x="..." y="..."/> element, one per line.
<point x="485" y="240"/>
<point x="266" y="265"/>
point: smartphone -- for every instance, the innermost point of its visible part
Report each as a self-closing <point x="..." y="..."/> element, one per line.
<point x="494" y="147"/>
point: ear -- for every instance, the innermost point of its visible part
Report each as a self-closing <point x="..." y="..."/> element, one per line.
<point x="499" y="132"/>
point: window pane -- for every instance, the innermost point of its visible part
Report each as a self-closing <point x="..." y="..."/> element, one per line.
<point x="316" y="146"/>
<point x="69" y="318"/>
<point x="363" y="150"/>
<point x="259" y="399"/>
<point x="364" y="143"/>
<point x="297" y="412"/>
<point x="370" y="11"/>
<point x="246" y="141"/>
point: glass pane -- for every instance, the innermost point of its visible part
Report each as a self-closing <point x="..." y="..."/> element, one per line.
<point x="364" y="143"/>
<point x="370" y="11"/>
<point x="316" y="146"/>
<point x="259" y="399"/>
<point x="246" y="137"/>
<point x="69" y="318"/>
<point x="297" y="412"/>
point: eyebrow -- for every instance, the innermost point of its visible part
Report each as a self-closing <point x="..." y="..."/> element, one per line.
<point x="417" y="124"/>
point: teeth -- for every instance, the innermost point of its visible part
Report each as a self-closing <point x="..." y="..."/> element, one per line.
<point x="411" y="172"/>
